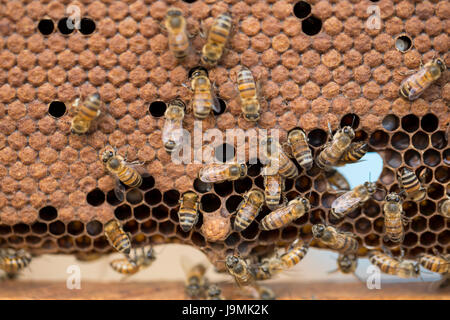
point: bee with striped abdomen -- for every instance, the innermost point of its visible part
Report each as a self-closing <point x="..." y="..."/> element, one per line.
<point x="85" y="113"/>
<point x="214" y="293"/>
<point x="444" y="208"/>
<point x="435" y="263"/>
<point x="188" y="212"/>
<point x="12" y="261"/>
<point x="273" y="188"/>
<point x="411" y="185"/>
<point x="281" y="217"/>
<point x="343" y="242"/>
<point x="296" y="252"/>
<point x="204" y="99"/>
<point x="278" y="161"/>
<point x="354" y="153"/>
<point x="240" y="270"/>
<point x="117" y="238"/>
<point x="336" y="179"/>
<point x="352" y="199"/>
<point x="412" y="87"/>
<point x="298" y="142"/>
<point x="393" y="218"/>
<point x="248" y="93"/>
<point x="128" y="266"/>
<point x="196" y="282"/>
<point x="172" y="133"/>
<point x="175" y="24"/>
<point x="347" y="263"/>
<point x="217" y="39"/>
<point x="219" y="172"/>
<point x="124" y="172"/>
<point x="248" y="209"/>
<point x="393" y="266"/>
<point x="333" y="150"/>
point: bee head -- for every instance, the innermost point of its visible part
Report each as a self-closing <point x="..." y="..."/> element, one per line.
<point x="251" y="116"/>
<point x="441" y="64"/>
<point x="214" y="290"/>
<point x="318" y="230"/>
<point x="231" y="261"/>
<point x="306" y="204"/>
<point x="243" y="169"/>
<point x="371" y="187"/>
<point x="417" y="269"/>
<point x="349" y="131"/>
<point x="393" y="197"/>
<point x="106" y="155"/>
<point x="150" y="255"/>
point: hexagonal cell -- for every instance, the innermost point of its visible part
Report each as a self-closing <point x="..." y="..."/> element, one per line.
<point x="95" y="197"/>
<point x="233" y="239"/>
<point x="372" y="240"/>
<point x="435" y="191"/>
<point x="442" y="174"/>
<point x="392" y="158"/>
<point x="311" y="25"/>
<point x="446" y="156"/>
<point x="403" y="43"/>
<point x="56" y="109"/>
<point x="419" y="224"/>
<point x="410" y="239"/>
<point x="436" y="223"/>
<point x="387" y="176"/>
<point x="63" y="26"/>
<point x="410" y="123"/>
<point x="223" y="189"/>
<point x="412" y="158"/>
<point x="15" y="240"/>
<point x="37" y="227"/>
<point x="171" y="198"/>
<point x="131" y="226"/>
<point x="48" y="213"/>
<point x="429" y="122"/>
<point x="420" y="140"/>
<point x="427" y="238"/>
<point x="243" y="185"/>
<point x="149" y="226"/>
<point x="112" y="199"/>
<point x="75" y="227"/>
<point x="291" y="195"/>
<point x="346" y="227"/>
<point x="166" y="228"/>
<point x="21" y="228"/>
<point x="153" y="197"/>
<point x="197" y="239"/>
<point x="288" y="184"/>
<point x="427" y="207"/>
<point x="431" y="157"/>
<point x="87" y="26"/>
<point x="444" y="237"/>
<point x="83" y="242"/>
<point x="414" y="252"/>
<point x="425" y="175"/>
<point x="4" y="229"/>
<point x="94" y="227"/>
<point x="303" y="184"/>
<point x="34" y="241"/>
<point x="390" y="122"/>
<point x="123" y="212"/>
<point x="327" y="199"/>
<point x="378" y="225"/>
<point x="57" y="228"/>
<point x="400" y="140"/>
<point x="371" y="208"/>
<point x="141" y="212"/>
<point x="46" y="26"/>
<point x="101" y="243"/>
<point x="317" y="137"/>
<point x="65" y="242"/>
<point x="289" y="233"/>
<point x="438" y="140"/>
<point x="251" y="232"/>
<point x="157" y="108"/>
<point x="210" y="202"/>
<point x="201" y="186"/>
<point x="320" y="184"/>
<point x="410" y="208"/>
<point x="351" y="120"/>
<point x="378" y="139"/>
<point x="160" y="212"/>
<point x="148" y="182"/>
<point x="269" y="236"/>
<point x="233" y="202"/>
<point x="134" y="196"/>
<point x="317" y="216"/>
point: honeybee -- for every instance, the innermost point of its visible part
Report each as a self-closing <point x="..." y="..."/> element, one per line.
<point x="188" y="212"/>
<point x="172" y="134"/>
<point x="248" y="209"/>
<point x="393" y="266"/>
<point x="131" y="266"/>
<point x="240" y="270"/>
<point x="411" y="185"/>
<point x="444" y="208"/>
<point x="266" y="269"/>
<point x="214" y="293"/>
<point x="125" y="172"/>
<point x="273" y="187"/>
<point x="347" y="263"/>
<point x="281" y="217"/>
<point x="117" y="238"/>
<point x="278" y="160"/>
<point x="265" y="293"/>
<point x="343" y="242"/>
<point x="336" y="179"/>
<point x="204" y="99"/>
<point x="333" y="150"/>
<point x="86" y="112"/>
<point x="299" y="144"/>
<point x="219" y="172"/>
<point x="249" y="95"/>
<point x="354" y="153"/>
<point x="175" y="24"/>
<point x="352" y="199"/>
<point x="217" y="39"/>
<point x="88" y="256"/>
<point x="12" y="261"/>
<point x="412" y="87"/>
<point x="435" y="263"/>
<point x="393" y="218"/>
<point x="296" y="252"/>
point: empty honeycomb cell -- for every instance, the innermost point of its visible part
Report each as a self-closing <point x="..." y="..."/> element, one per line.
<point x="427" y="238"/>
<point x="420" y="140"/>
<point x="351" y="120"/>
<point x="95" y="197"/>
<point x="251" y="232"/>
<point x="224" y="152"/>
<point x="83" y="242"/>
<point x="223" y="189"/>
<point x="210" y="202"/>
<point x="320" y="184"/>
<point x="233" y="202"/>
<point x="64" y="26"/>
<point x="327" y="199"/>
<point x="360" y="135"/>
<point x="15" y="240"/>
<point x="288" y="184"/>
<point x="303" y="184"/>
<point x="4" y="230"/>
<point x="134" y="196"/>
<point x="438" y="140"/>
<point x="410" y="123"/>
<point x="427" y="207"/>
<point x="201" y="186"/>
<point x="101" y="243"/>
<point x="254" y="169"/>
<point x="269" y="236"/>
<point x="372" y="240"/>
<point x="141" y="212"/>
<point x="112" y="199"/>
<point x="149" y="226"/>
<point x="379" y="139"/>
<point x="419" y="224"/>
<point x="400" y="141"/>
<point x="87" y="26"/>
<point x="33" y="240"/>
<point x="435" y="191"/>
<point x="21" y="228"/>
<point x="46" y="26"/>
<point x="123" y="212"/>
<point x="363" y="225"/>
<point x="39" y="228"/>
<point x="410" y="209"/>
<point x="56" y="109"/>
<point x="174" y="215"/>
<point x="429" y="122"/>
<point x="431" y="157"/>
<point x="394" y="159"/>
<point x="317" y="216"/>
<point x="387" y="176"/>
<point x="160" y="212"/>
<point x="380" y="194"/>
<point x="371" y="208"/>
<point x="378" y="225"/>
<point x="302" y="9"/>
<point x="233" y="239"/>
<point x="148" y="182"/>
<point x="390" y="122"/>
<point x="157" y="108"/>
<point x="153" y="197"/>
<point x="197" y="239"/>
<point x="442" y="174"/>
<point x="131" y="226"/>
<point x="317" y="137"/>
<point x="75" y="227"/>
<point x="57" y="228"/>
<point x="436" y="223"/>
<point x="94" y="228"/>
<point x="222" y="107"/>
<point x="403" y="43"/>
<point x="311" y="25"/>
<point x="346" y="227"/>
<point x="259" y="182"/>
<point x="412" y="158"/>
<point x="444" y="237"/>
<point x="446" y="156"/>
<point x="410" y="239"/>
<point x="289" y="233"/>
<point x="48" y="213"/>
<point x="355" y="213"/>
<point x="243" y="185"/>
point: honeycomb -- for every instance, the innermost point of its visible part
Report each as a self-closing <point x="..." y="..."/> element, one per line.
<point x="317" y="62"/>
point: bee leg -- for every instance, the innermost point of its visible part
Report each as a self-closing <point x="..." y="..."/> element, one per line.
<point x="406" y="220"/>
<point x="202" y="31"/>
<point x="285" y="200"/>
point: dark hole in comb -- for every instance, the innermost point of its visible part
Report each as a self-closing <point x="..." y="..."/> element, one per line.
<point x="94" y="228"/>
<point x="391" y="122"/>
<point x="222" y="107"/>
<point x="223" y="189"/>
<point x="46" y="26"/>
<point x="379" y="139"/>
<point x="147" y="182"/>
<point x="302" y="9"/>
<point x="141" y="212"/>
<point x="157" y="108"/>
<point x="311" y="25"/>
<point x="210" y="202"/>
<point x="57" y="228"/>
<point x="420" y="140"/>
<point x="21" y="228"/>
<point x="64" y="27"/>
<point x="232" y="203"/>
<point x="224" y="152"/>
<point x="317" y="137"/>
<point x="57" y="109"/>
<point x="123" y="212"/>
<point x="153" y="197"/>
<point x="171" y="197"/>
<point x="351" y="120"/>
<point x="48" y="213"/>
<point x="410" y="123"/>
<point x="160" y="212"/>
<point x="400" y="141"/>
<point x="429" y="122"/>
<point x="87" y="26"/>
<point x="201" y="186"/>
<point x="95" y="197"/>
<point x="112" y="199"/>
<point x="243" y="185"/>
<point x="403" y="43"/>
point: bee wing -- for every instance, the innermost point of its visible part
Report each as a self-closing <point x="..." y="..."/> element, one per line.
<point x="138" y="166"/>
<point x="119" y="190"/>
<point x="215" y="102"/>
<point x="345" y="202"/>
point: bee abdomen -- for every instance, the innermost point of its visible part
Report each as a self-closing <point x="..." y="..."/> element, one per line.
<point x="130" y="177"/>
<point x="434" y="264"/>
<point x="188" y="218"/>
<point x="124" y="266"/>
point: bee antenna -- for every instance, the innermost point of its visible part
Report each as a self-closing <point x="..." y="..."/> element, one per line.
<point x="353" y="121"/>
<point x="370" y="176"/>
